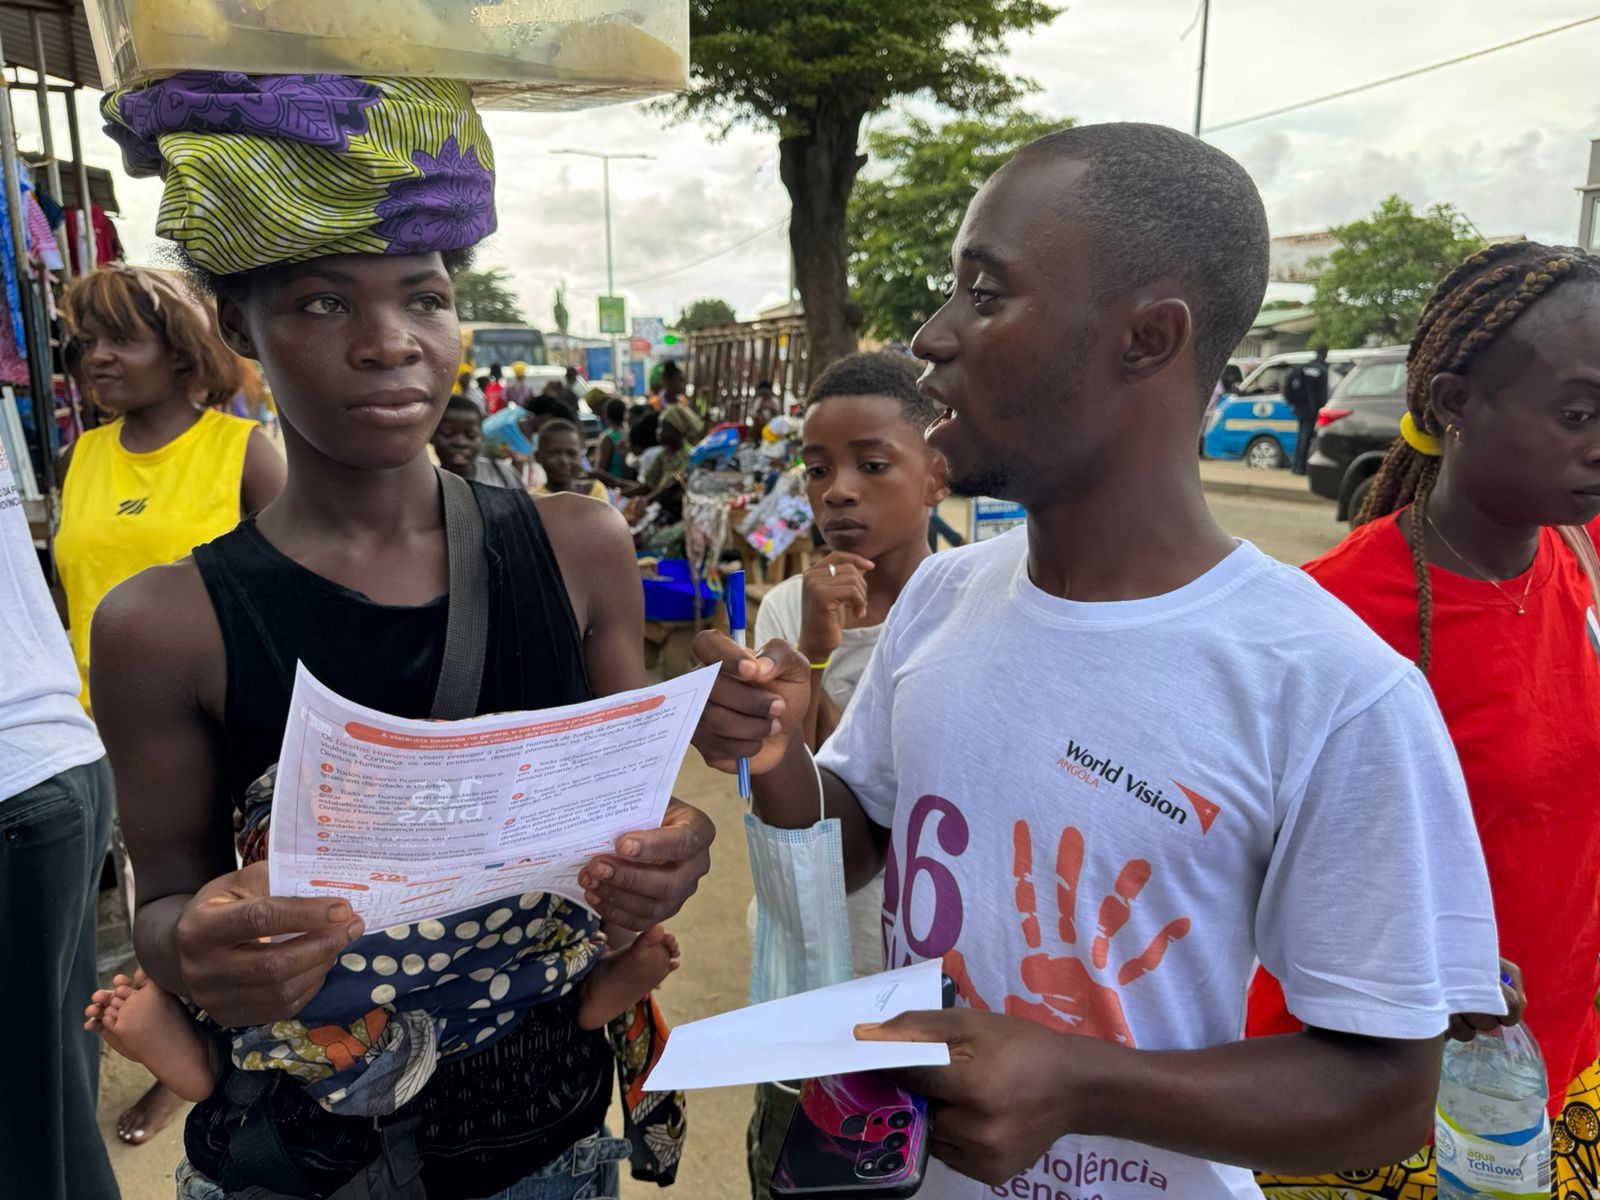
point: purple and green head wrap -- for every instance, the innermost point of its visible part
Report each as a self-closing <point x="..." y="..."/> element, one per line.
<point x="271" y="169"/>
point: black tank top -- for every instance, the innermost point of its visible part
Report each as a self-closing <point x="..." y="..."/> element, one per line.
<point x="489" y="1119"/>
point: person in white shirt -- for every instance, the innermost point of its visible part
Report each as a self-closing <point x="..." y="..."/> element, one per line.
<point x="870" y="479"/>
<point x="55" y="822"/>
<point x="1110" y="759"/>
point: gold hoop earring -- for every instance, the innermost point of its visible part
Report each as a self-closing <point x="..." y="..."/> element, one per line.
<point x="1453" y="433"/>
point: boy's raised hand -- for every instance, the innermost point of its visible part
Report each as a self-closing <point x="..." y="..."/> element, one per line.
<point x="832" y="589"/>
<point x="757" y="706"/>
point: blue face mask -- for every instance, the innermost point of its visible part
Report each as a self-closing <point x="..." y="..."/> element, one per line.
<point x="802" y="937"/>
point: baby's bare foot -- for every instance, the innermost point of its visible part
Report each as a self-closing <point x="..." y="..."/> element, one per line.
<point x="141" y="1022"/>
<point x="622" y="979"/>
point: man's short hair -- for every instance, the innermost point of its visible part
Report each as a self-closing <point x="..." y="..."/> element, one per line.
<point x="461" y="406"/>
<point x="549" y="405"/>
<point x="880" y="373"/>
<point x="559" y="425"/>
<point x="1164" y="204"/>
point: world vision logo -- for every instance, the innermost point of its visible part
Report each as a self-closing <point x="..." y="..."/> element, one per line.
<point x="1099" y="771"/>
<point x="132" y="508"/>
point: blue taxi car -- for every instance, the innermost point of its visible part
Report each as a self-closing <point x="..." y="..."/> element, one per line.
<point x="1254" y="423"/>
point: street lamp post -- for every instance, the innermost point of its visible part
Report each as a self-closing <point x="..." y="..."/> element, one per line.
<point x="611" y="282"/>
<point x="1200" y="84"/>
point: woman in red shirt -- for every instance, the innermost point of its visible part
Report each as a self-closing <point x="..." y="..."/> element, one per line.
<point x="1469" y="557"/>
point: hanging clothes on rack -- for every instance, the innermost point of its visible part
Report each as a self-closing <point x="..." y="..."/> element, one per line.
<point x="13" y="338"/>
<point x="44" y="254"/>
<point x="107" y="245"/>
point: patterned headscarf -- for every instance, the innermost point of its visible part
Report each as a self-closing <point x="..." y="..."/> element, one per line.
<point x="283" y="168"/>
<point x="684" y="421"/>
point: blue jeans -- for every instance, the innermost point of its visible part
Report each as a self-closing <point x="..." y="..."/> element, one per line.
<point x="588" y="1170"/>
<point x="52" y="844"/>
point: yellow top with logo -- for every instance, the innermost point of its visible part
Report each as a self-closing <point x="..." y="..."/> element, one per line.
<point x="122" y="512"/>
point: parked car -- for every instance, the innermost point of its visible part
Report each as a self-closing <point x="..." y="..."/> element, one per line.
<point x="1356" y="430"/>
<point x="1255" y="423"/>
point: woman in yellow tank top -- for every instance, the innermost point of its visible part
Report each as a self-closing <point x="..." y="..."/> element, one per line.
<point x="172" y="472"/>
<point x="169" y="474"/>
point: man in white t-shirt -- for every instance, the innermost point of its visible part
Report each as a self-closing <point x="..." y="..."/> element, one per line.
<point x="55" y="821"/>
<point x="1112" y="758"/>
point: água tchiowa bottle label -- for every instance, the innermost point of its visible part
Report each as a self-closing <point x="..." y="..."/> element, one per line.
<point x="1511" y="1166"/>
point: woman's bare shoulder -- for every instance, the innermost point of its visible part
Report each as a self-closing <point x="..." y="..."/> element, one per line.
<point x="157" y="627"/>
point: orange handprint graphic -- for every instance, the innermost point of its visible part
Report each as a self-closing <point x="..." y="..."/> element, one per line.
<point x="1071" y="997"/>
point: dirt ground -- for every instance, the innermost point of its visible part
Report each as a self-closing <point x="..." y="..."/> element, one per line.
<point x="715" y="976"/>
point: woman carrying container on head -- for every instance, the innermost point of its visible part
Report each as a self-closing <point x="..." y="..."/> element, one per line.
<point x="327" y="214"/>
<point x="1474" y="557"/>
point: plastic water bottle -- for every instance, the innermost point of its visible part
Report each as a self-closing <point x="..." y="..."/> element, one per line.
<point x="1491" y="1131"/>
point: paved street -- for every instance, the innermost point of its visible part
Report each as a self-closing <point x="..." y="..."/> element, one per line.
<point x="716" y="966"/>
<point x="1289" y="530"/>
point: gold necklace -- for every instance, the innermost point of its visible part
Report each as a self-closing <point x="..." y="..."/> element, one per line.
<point x="1519" y="605"/>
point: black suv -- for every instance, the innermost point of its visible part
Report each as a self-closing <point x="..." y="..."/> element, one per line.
<point x="1356" y="429"/>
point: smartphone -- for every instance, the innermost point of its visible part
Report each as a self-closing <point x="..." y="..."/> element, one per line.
<point x="855" y="1136"/>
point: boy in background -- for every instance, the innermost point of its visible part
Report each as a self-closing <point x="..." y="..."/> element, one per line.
<point x="560" y="456"/>
<point x="458" y="441"/>
<point x="610" y="448"/>
<point x="871" y="480"/>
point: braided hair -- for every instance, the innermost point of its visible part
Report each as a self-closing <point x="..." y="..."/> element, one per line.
<point x="1470" y="308"/>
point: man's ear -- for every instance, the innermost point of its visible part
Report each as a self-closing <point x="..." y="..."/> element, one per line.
<point x="1158" y="333"/>
<point x="938" y="483"/>
<point x="235" y="334"/>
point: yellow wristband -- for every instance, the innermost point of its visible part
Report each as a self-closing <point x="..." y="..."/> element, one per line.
<point x="823" y="665"/>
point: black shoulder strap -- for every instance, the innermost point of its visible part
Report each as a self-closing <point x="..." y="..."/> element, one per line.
<point x="466" y="633"/>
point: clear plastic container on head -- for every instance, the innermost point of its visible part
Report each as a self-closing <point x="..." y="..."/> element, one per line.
<point x="534" y="54"/>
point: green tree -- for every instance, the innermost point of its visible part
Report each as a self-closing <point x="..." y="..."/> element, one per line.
<point x="705" y="312"/>
<point x="813" y="71"/>
<point x="1374" y="285"/>
<point x="487" y="296"/>
<point x="562" y="315"/>
<point x="904" y="220"/>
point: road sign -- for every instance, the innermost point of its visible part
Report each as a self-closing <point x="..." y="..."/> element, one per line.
<point x="991" y="518"/>
<point x="650" y="329"/>
<point x="613" y="314"/>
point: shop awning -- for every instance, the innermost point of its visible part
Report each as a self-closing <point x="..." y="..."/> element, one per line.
<point x="68" y="52"/>
<point x="102" y="189"/>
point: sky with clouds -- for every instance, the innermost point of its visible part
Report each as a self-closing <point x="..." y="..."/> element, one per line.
<point x="1504" y="138"/>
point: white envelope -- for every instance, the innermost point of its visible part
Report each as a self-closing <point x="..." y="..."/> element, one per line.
<point x="804" y="1036"/>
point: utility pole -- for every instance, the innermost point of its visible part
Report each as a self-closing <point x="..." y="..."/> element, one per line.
<point x="1200" y="87"/>
<point x="611" y="280"/>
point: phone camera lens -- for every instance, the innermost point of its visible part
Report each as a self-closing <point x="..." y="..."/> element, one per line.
<point x="853" y="1125"/>
<point x="890" y="1163"/>
<point x="867" y="1166"/>
<point x="900" y="1120"/>
<point x="895" y="1141"/>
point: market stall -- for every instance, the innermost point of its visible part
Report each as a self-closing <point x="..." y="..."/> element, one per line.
<point x="49" y="225"/>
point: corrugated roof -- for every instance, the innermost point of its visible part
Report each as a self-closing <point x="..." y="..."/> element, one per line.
<point x="102" y="185"/>
<point x="1278" y="317"/>
<point x="68" y="51"/>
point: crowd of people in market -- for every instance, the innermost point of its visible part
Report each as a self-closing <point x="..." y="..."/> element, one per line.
<point x="1217" y="852"/>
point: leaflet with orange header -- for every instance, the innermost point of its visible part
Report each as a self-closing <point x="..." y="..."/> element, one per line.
<point x="410" y="820"/>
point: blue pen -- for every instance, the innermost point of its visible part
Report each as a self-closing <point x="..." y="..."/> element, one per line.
<point x="733" y="597"/>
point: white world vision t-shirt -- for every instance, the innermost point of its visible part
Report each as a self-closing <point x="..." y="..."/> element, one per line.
<point x="1236" y="769"/>
<point x="43" y="728"/>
